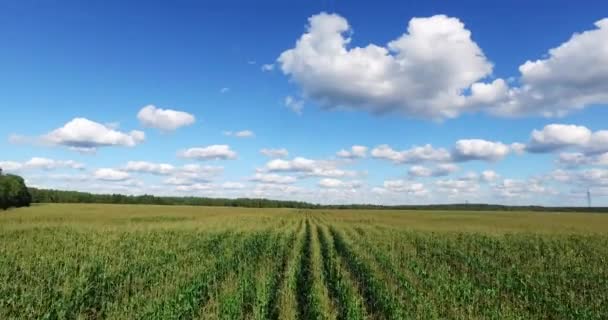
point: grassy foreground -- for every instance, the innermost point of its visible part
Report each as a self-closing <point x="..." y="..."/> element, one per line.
<point x="171" y="262"/>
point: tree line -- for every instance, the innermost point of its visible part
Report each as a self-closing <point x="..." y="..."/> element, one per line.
<point x="60" y="196"/>
<point x="13" y="191"/>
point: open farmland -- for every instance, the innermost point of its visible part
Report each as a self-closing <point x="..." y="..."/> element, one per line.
<point x="173" y="262"/>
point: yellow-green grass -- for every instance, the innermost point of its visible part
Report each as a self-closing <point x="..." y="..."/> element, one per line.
<point x="91" y="261"/>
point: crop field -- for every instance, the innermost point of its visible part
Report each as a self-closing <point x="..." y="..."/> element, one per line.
<point x="171" y="262"/>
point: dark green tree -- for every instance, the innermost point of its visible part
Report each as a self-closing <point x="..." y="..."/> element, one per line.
<point x="13" y="191"/>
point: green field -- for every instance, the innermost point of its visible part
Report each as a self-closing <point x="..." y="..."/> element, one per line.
<point x="172" y="262"/>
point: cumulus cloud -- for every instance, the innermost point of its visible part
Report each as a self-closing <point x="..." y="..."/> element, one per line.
<point x="355" y="152"/>
<point x="555" y="137"/>
<point x="229" y="185"/>
<point x="594" y="177"/>
<point x="49" y="164"/>
<point x="185" y="175"/>
<point x="149" y="167"/>
<point x="403" y="186"/>
<point x="455" y="187"/>
<point x="40" y="163"/>
<point x="417" y="154"/>
<point x="489" y="176"/>
<point x="331" y="183"/>
<point x="308" y="167"/>
<point x="164" y="119"/>
<point x="273" y="178"/>
<point x="212" y="152"/>
<point x="439" y="171"/>
<point x="194" y="187"/>
<point x="423" y="73"/>
<point x="267" y="67"/>
<point x="574" y="75"/>
<point x="84" y="135"/>
<point x="109" y="174"/>
<point x="193" y="173"/>
<point x="478" y="149"/>
<point x="294" y="104"/>
<point x="558" y="136"/>
<point x="10" y="166"/>
<point x="275" y="153"/>
<point x="576" y="159"/>
<point x="240" y="134"/>
<point x="463" y="150"/>
<point x="515" y="188"/>
<point x="518" y="147"/>
<point x="435" y="70"/>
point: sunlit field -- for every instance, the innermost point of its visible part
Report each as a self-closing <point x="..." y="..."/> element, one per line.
<point x="171" y="262"/>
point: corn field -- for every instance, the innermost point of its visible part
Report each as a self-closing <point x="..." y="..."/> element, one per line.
<point x="171" y="262"/>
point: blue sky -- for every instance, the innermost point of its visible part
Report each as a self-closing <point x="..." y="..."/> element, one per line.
<point x="444" y="102"/>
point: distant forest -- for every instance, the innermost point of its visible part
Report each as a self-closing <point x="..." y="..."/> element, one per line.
<point x="59" y="196"/>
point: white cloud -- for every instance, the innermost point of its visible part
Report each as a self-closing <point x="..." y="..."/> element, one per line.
<point x="404" y="186"/>
<point x="240" y="134"/>
<point x="558" y="136"/>
<point x="593" y="177"/>
<point x="573" y="76"/>
<point x="49" y="164"/>
<point x="355" y="152"/>
<point x="109" y="174"/>
<point x="513" y="188"/>
<point x="273" y="178"/>
<point x="275" y="153"/>
<point x="224" y="90"/>
<point x="601" y="159"/>
<point x="573" y="159"/>
<point x="233" y="185"/>
<point x="435" y="70"/>
<point x="454" y="187"/>
<point x="81" y="134"/>
<point x="422" y="73"/>
<point x="10" y="166"/>
<point x="40" y="163"/>
<point x="194" y="187"/>
<point x="518" y="148"/>
<point x="417" y="154"/>
<point x="309" y="167"/>
<point x="294" y="104"/>
<point x="478" y="149"/>
<point x="149" y="167"/>
<point x="212" y="152"/>
<point x="164" y="119"/>
<point x="331" y="183"/>
<point x="193" y="173"/>
<point x="267" y="67"/>
<point x="489" y="176"/>
<point x="439" y="171"/>
<point x="562" y="136"/>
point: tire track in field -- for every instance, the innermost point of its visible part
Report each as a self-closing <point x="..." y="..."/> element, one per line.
<point x="307" y="308"/>
<point x="343" y="294"/>
<point x="378" y="299"/>
<point x="408" y="287"/>
<point x="186" y="303"/>
<point x="282" y="276"/>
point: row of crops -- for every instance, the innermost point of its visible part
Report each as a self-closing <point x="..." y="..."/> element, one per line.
<point x="300" y="265"/>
